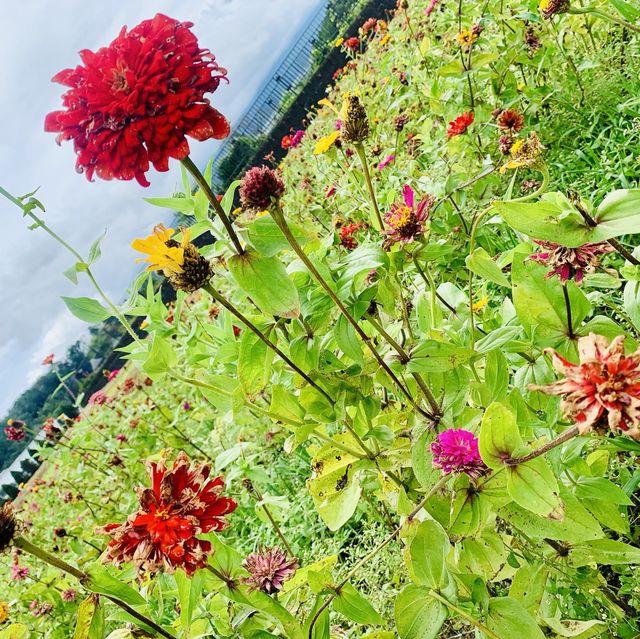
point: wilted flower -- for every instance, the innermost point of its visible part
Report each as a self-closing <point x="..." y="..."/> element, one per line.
<point x="407" y="221"/>
<point x="69" y="594"/>
<point x="347" y="235"/>
<point x="384" y="163"/>
<point x="353" y="43"/>
<point x="268" y="568"/>
<point x="182" y="264"/>
<point x="97" y="399"/>
<point x="8" y="527"/>
<point x="460" y="124"/>
<point x="15" y="430"/>
<point x="510" y="120"/>
<point x="531" y="40"/>
<point x="51" y="429"/>
<point x="48" y="360"/>
<point x="132" y="103"/>
<point x="524" y="153"/>
<point x="260" y="186"/>
<point x="466" y="38"/>
<point x="570" y="263"/>
<point x="456" y="451"/>
<point x="355" y="124"/>
<point x="603" y="389"/>
<point x="550" y="8"/>
<point x="400" y="122"/>
<point x="182" y="503"/>
<point x="40" y="609"/>
<point x="505" y="143"/>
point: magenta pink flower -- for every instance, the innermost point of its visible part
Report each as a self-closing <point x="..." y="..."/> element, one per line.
<point x="186" y="406"/>
<point x="388" y="160"/>
<point x="570" y="263"/>
<point x="14" y="434"/>
<point x="431" y="6"/>
<point x="18" y="572"/>
<point x="456" y="451"/>
<point x="69" y="594"/>
<point x="407" y="221"/>
<point x="331" y="191"/>
<point x="296" y="138"/>
<point x="97" y="399"/>
<point x="603" y="389"/>
<point x="121" y="438"/>
<point x="113" y="374"/>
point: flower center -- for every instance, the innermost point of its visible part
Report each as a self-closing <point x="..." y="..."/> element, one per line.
<point x="401" y="218"/>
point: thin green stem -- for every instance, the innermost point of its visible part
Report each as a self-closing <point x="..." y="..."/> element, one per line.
<point x="605" y="16"/>
<point x="465" y="615"/>
<point x="213" y="200"/>
<point x="367" y="176"/>
<point x="279" y="219"/>
<point x="568" y="434"/>
<point x="368" y="557"/>
<point x="256" y="493"/>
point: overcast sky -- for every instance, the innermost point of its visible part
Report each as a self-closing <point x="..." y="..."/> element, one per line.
<point x="38" y="38"/>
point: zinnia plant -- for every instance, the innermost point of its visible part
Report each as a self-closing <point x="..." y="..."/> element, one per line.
<point x="406" y="222"/>
<point x="456" y="451"/>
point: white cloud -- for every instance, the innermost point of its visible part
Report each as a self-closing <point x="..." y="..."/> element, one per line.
<point x="36" y="41"/>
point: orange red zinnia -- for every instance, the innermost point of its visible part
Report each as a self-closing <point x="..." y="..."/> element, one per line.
<point x="182" y="503"/>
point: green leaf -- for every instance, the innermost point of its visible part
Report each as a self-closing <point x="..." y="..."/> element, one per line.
<point x="161" y="357"/>
<point x="428" y="556"/>
<point x="618" y="214"/>
<point x="533" y="486"/>
<point x="347" y="340"/>
<point x="254" y="363"/>
<point x="189" y="593"/>
<point x="354" y="606"/>
<point x="540" y="303"/>
<point x="507" y="617"/>
<point x="626" y="10"/>
<point x="101" y="581"/>
<point x="417" y="614"/>
<point x="87" y="309"/>
<point x="94" y="249"/>
<point x="601" y="488"/>
<point x="432" y="356"/>
<point x="90" y="619"/>
<point x="603" y="551"/>
<point x="15" y="631"/>
<point x="183" y="205"/>
<point x="499" y="435"/>
<point x="481" y="263"/>
<point x="265" y="236"/>
<point x="575" y="629"/>
<point x="266" y="282"/>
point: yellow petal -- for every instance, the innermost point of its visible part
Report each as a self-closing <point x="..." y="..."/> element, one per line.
<point x="324" y="144"/>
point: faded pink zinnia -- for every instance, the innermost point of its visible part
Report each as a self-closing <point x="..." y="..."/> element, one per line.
<point x="456" y="451"/>
<point x="407" y="221"/>
<point x="132" y="103"/>
<point x="269" y="568"/>
<point x="570" y="263"/>
<point x="603" y="389"/>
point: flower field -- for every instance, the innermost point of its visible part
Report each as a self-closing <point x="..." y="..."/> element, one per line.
<point x="398" y="393"/>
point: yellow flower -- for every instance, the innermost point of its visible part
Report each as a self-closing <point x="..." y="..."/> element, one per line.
<point x="466" y="37"/>
<point x="480" y="304"/>
<point x="385" y="40"/>
<point x="524" y="153"/>
<point x="339" y="42"/>
<point x="382" y="25"/>
<point x="325" y="143"/>
<point x="4" y="611"/>
<point x="329" y="104"/>
<point x="160" y="254"/>
<point x="144" y="324"/>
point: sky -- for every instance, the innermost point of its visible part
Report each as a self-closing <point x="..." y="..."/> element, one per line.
<point x="38" y="39"/>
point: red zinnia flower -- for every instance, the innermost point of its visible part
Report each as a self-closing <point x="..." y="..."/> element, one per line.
<point x="182" y="503"/>
<point x="14" y="434"/>
<point x="48" y="360"/>
<point x="603" y="389"/>
<point x="460" y="124"/>
<point x="132" y="103"/>
<point x="510" y="120"/>
<point x="285" y="143"/>
<point x="407" y="221"/>
<point x="352" y="43"/>
<point x="98" y="398"/>
<point x="347" y="233"/>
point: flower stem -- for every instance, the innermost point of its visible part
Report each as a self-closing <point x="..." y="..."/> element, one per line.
<point x="568" y="434"/>
<point x="279" y="219"/>
<point x="213" y="200"/>
<point x="465" y="615"/>
<point x="605" y="16"/>
<point x="368" y="557"/>
<point x="236" y="313"/>
<point x="256" y="493"/>
<point x="367" y="177"/>
<point x="26" y="546"/>
<point x="567" y="304"/>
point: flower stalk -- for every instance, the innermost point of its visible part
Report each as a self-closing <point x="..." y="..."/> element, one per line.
<point x="568" y="434"/>
<point x="367" y="176"/>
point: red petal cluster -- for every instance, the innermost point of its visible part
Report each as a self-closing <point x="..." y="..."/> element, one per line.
<point x="603" y="389"/>
<point x="460" y="124"/>
<point x="132" y="103"/>
<point x="182" y="503"/>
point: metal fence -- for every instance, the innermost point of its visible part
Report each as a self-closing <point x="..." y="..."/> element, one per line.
<point x="287" y="81"/>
